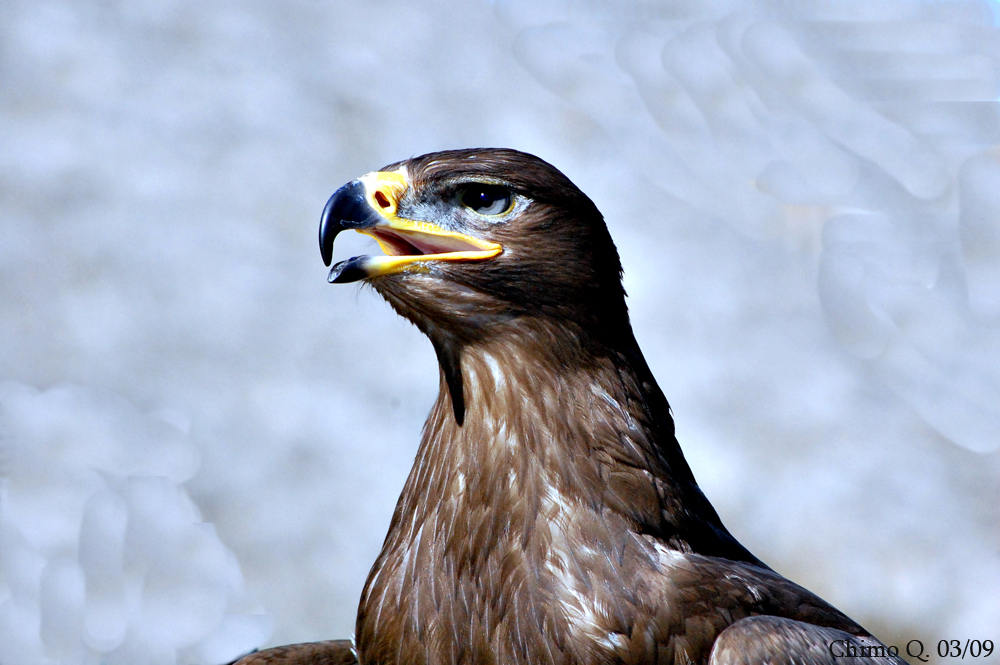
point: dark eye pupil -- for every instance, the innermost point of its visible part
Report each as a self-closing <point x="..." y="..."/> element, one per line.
<point x="487" y="199"/>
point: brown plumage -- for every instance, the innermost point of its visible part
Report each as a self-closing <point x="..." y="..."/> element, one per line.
<point x="550" y="516"/>
<point x="333" y="652"/>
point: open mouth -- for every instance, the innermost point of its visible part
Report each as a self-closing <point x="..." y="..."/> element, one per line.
<point x="409" y="250"/>
<point x="407" y="242"/>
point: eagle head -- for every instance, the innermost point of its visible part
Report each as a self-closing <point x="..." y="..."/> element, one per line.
<point x="476" y="238"/>
<point x="477" y="242"/>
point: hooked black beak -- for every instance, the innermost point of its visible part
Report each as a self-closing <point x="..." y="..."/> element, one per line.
<point x="347" y="209"/>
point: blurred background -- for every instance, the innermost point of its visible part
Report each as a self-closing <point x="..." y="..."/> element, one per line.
<point x="201" y="441"/>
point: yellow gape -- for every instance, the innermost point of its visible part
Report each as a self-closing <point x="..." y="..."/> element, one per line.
<point x="409" y="244"/>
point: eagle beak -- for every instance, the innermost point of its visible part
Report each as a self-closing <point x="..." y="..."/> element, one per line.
<point x="368" y="205"/>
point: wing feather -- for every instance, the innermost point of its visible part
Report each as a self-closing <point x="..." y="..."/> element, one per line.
<point x="768" y="640"/>
<point x="332" y="652"/>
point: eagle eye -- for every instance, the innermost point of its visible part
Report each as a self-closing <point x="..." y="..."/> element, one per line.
<point x="487" y="199"/>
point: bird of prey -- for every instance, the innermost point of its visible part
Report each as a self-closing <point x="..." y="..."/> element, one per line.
<point x="550" y="516"/>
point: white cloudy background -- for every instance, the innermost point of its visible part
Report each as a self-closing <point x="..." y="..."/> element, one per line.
<point x="201" y="441"/>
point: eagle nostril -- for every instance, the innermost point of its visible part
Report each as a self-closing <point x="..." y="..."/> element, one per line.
<point x="382" y="200"/>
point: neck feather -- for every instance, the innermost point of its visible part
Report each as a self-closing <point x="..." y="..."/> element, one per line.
<point x="560" y="443"/>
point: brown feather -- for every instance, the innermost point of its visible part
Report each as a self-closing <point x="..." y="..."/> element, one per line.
<point x="550" y="516"/>
<point x="333" y="652"/>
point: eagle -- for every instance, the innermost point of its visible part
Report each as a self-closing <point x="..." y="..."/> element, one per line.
<point x="550" y="517"/>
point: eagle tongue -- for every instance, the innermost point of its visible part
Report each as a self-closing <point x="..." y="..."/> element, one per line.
<point x="347" y="209"/>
